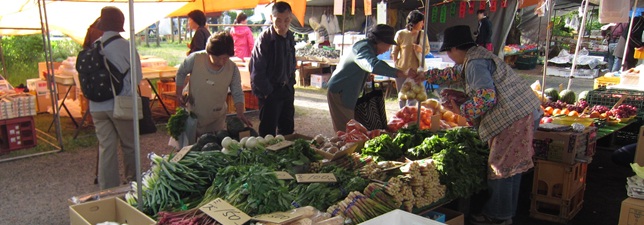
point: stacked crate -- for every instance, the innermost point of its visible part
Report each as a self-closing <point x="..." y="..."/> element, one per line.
<point x="560" y="173"/>
<point x="166" y="90"/>
<point x="557" y="190"/>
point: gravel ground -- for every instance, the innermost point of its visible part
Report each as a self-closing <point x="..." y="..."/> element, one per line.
<point x="35" y="190"/>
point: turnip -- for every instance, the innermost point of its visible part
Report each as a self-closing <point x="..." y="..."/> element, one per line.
<point x="269" y="137"/>
<point x="242" y="142"/>
<point x="226" y="142"/>
<point x="280" y="137"/>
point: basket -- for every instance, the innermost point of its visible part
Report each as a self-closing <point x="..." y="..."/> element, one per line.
<point x="609" y="98"/>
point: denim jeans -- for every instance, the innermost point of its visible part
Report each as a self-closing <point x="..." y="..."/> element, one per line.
<point x="504" y="195"/>
<point x="617" y="62"/>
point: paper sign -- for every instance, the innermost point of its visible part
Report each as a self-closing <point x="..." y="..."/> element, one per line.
<point x="181" y="154"/>
<point x="315" y="178"/>
<point x="367" y="7"/>
<point x="338" y="7"/>
<point x="279" y="217"/>
<point x="281" y="145"/>
<point x="244" y="134"/>
<point x="224" y="213"/>
<point x="283" y="175"/>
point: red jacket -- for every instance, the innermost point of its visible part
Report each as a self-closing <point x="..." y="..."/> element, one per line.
<point x="244" y="41"/>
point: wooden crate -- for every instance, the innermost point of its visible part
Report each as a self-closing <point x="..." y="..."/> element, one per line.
<point x="556" y="209"/>
<point x="558" y="180"/>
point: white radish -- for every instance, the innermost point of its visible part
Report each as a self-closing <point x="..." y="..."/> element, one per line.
<point x="226" y="142"/>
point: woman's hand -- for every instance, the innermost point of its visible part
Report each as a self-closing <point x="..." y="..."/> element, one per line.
<point x="243" y="118"/>
<point x="417" y="48"/>
<point x="452" y="106"/>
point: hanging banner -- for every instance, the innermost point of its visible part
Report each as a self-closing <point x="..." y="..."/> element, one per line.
<point x="434" y="14"/>
<point x="367" y="7"/>
<point x="471" y="9"/>
<point x="353" y="7"/>
<point x="443" y="13"/>
<point x="381" y="13"/>
<point x="504" y="3"/>
<point x="338" y="6"/>
<point x="492" y="5"/>
<point x="462" y="9"/>
<point x="482" y="5"/>
<point x="452" y="9"/>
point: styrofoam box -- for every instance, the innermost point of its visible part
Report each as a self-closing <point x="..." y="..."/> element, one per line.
<point x="320" y="80"/>
<point x="400" y="217"/>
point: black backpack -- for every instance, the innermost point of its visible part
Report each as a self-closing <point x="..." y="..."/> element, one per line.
<point x="94" y="73"/>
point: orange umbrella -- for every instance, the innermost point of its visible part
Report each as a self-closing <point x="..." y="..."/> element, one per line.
<point x="210" y="6"/>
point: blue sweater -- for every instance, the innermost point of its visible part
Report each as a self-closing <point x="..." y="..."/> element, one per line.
<point x="354" y="69"/>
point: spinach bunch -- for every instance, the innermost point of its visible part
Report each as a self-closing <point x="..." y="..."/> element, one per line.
<point x="382" y="148"/>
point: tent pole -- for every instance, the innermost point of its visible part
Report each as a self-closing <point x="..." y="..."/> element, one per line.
<point x="579" y="41"/>
<point x="4" y="63"/>
<point x="628" y="37"/>
<point x="134" y="70"/>
<point x="344" y="18"/>
<point x="51" y="80"/>
<point x="551" y="3"/>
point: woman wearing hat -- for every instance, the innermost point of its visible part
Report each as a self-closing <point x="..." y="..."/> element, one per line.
<point x="409" y="51"/>
<point x="354" y="69"/>
<point x="197" y="22"/>
<point x="503" y="108"/>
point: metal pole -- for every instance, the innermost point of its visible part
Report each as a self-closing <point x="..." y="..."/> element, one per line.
<point x="134" y="70"/>
<point x="628" y="37"/>
<point x="579" y="40"/>
<point x="344" y="18"/>
<point x="51" y="80"/>
<point x="422" y="60"/>
<point x="548" y="37"/>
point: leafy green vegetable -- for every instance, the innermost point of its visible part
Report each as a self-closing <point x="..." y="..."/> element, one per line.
<point x="382" y="148"/>
<point x="177" y="122"/>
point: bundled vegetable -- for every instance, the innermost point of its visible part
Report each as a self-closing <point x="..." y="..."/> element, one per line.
<point x="358" y="208"/>
<point x="177" y="122"/>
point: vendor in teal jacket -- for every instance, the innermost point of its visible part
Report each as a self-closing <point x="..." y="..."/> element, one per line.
<point x="354" y="69"/>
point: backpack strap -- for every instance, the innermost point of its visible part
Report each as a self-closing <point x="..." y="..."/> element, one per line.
<point x="111" y="39"/>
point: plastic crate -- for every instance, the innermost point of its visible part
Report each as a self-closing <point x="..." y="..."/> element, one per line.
<point x="17" y="133"/>
<point x="251" y="102"/>
<point x="558" y="180"/>
<point x="555" y="209"/>
<point x="609" y="97"/>
<point x="602" y="82"/>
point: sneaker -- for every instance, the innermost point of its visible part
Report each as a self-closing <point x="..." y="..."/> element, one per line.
<point x="482" y="219"/>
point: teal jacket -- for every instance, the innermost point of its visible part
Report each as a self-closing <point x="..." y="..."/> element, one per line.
<point x="353" y="70"/>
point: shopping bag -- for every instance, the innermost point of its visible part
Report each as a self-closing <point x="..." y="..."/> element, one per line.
<point x="146" y="124"/>
<point x="370" y="110"/>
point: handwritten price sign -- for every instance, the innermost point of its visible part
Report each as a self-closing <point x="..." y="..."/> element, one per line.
<point x="281" y="145"/>
<point x="283" y="175"/>
<point x="225" y="213"/>
<point x="278" y="217"/>
<point x="181" y="154"/>
<point x="316" y="178"/>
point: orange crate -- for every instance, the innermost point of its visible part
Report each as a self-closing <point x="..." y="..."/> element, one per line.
<point x="558" y="180"/>
<point x="251" y="102"/>
<point x="555" y="209"/>
<point x="166" y="90"/>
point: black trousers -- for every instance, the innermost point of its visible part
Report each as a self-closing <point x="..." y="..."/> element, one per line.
<point x="277" y="112"/>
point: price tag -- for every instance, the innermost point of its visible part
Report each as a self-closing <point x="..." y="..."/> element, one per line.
<point x="181" y="154"/>
<point x="281" y="145"/>
<point x="283" y="175"/>
<point x="279" y="217"/>
<point x="315" y="178"/>
<point x="244" y="134"/>
<point x="224" y="213"/>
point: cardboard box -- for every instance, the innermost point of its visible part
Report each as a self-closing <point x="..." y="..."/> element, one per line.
<point x="452" y="217"/>
<point x="303" y="75"/>
<point x="639" y="153"/>
<point x="558" y="180"/>
<point x="320" y="80"/>
<point x="564" y="147"/>
<point x="43" y="103"/>
<point x="109" y="209"/>
<point x="632" y="212"/>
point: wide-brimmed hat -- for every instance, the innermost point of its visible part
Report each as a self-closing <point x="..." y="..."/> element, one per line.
<point x="456" y="36"/>
<point x="384" y="33"/>
<point x="112" y="19"/>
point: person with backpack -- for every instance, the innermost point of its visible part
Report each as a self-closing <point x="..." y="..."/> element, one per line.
<point x="197" y="22"/>
<point x="111" y="132"/>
